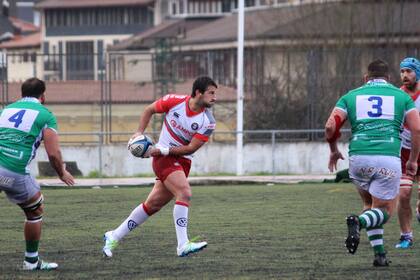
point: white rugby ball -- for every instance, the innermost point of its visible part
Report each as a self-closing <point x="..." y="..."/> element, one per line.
<point x="138" y="146"/>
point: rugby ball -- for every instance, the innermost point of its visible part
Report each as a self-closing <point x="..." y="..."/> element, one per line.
<point x="139" y="145"/>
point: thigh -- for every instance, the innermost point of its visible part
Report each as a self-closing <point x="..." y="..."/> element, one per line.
<point x="19" y="188"/>
<point x="361" y="172"/>
<point x="386" y="181"/>
<point x="159" y="196"/>
<point x="178" y="185"/>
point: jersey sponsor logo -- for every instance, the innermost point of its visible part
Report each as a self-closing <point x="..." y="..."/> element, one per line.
<point x="182" y="222"/>
<point x="17" y="118"/>
<point x="211" y="126"/>
<point x="194" y="126"/>
<point x="175" y="125"/>
<point x="375" y="107"/>
<point x="11" y="152"/>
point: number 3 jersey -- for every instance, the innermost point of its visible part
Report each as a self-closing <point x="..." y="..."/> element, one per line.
<point x="180" y="124"/>
<point x="21" y="132"/>
<point x="376" y="113"/>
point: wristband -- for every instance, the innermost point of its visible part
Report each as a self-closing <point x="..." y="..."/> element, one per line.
<point x="164" y="151"/>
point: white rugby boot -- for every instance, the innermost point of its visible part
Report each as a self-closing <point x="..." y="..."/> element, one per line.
<point x="110" y="244"/>
<point x="39" y="265"/>
<point x="190" y="247"/>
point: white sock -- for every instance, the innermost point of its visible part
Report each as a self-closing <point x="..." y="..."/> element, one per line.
<point x="181" y="222"/>
<point x="136" y="218"/>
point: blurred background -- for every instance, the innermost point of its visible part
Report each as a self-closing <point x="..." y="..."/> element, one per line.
<point x="105" y="60"/>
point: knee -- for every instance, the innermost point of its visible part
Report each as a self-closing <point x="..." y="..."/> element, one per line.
<point x="34" y="210"/>
<point x="35" y="214"/>
<point x="151" y="207"/>
<point x="404" y="197"/>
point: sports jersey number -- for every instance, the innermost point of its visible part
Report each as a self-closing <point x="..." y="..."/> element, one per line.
<point x="376" y="105"/>
<point x="17" y="118"/>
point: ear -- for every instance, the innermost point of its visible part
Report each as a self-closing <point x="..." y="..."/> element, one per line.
<point x="365" y="78"/>
<point x="42" y="98"/>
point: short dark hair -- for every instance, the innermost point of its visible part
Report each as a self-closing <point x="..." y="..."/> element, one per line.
<point x="33" y="87"/>
<point x="378" y="69"/>
<point x="201" y="84"/>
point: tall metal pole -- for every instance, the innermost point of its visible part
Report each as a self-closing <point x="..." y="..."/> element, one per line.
<point x="240" y="89"/>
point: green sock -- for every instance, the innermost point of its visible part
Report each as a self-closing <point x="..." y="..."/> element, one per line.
<point x="31" y="254"/>
<point x="373" y="218"/>
<point x="375" y="236"/>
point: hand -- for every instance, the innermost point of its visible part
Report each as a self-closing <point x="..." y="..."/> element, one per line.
<point x="135" y="135"/>
<point x="67" y="178"/>
<point x="334" y="157"/>
<point x="154" y="152"/>
<point x="411" y="168"/>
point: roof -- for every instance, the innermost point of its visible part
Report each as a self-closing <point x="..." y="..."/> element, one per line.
<point x="19" y="41"/>
<point x="359" y="18"/>
<point x="170" y="28"/>
<point x="337" y="19"/>
<point x="58" y="4"/>
<point x="23" y="26"/>
<point x="86" y="92"/>
<point x="6" y="26"/>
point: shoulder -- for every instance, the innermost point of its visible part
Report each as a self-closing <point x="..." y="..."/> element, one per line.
<point x="209" y="116"/>
<point x="169" y="101"/>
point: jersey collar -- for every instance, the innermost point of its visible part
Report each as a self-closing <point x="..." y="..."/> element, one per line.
<point x="191" y="113"/>
<point x="376" y="81"/>
<point x="30" y="99"/>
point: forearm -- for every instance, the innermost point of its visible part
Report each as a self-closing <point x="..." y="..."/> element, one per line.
<point x="57" y="163"/>
<point x="333" y="146"/>
<point x="145" y="119"/>
<point x="415" y="146"/>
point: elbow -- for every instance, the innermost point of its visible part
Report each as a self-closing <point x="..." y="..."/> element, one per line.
<point x="329" y="131"/>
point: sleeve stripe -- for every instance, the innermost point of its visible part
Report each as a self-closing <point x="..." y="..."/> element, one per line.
<point x="202" y="137"/>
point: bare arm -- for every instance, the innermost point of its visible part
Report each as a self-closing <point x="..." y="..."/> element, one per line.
<point x="332" y="133"/>
<point x="145" y="117"/>
<point x="191" y="148"/>
<point x="413" y="123"/>
<point x="52" y="147"/>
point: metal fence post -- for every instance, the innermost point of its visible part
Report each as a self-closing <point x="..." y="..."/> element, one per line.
<point x="100" y="138"/>
<point x="273" y="149"/>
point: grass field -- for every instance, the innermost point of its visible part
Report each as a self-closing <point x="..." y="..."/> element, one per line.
<point x="254" y="232"/>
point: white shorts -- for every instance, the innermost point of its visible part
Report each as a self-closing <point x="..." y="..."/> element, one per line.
<point x="19" y="188"/>
<point x="378" y="175"/>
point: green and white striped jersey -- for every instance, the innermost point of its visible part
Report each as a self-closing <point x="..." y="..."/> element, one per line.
<point x="21" y="132"/>
<point x="376" y="113"/>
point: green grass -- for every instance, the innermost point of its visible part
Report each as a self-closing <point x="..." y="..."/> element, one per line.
<point x="254" y="232"/>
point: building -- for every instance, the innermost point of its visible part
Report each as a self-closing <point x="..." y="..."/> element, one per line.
<point x="76" y="33"/>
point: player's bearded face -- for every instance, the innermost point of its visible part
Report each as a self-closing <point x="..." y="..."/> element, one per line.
<point x="408" y="77"/>
<point x="208" y="98"/>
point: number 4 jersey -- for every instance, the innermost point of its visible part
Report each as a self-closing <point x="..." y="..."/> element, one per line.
<point x="376" y="113"/>
<point x="21" y="131"/>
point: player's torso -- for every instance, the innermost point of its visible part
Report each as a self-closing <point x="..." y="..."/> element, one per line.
<point x="21" y="125"/>
<point x="180" y="126"/>
<point x="376" y="113"/>
<point x="406" y="134"/>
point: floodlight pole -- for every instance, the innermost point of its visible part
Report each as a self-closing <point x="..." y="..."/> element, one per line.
<point x="240" y="89"/>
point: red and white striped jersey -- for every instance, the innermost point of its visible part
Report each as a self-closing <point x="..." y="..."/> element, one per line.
<point x="181" y="124"/>
<point x="406" y="133"/>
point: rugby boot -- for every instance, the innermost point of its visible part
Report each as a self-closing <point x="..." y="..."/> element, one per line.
<point x="381" y="260"/>
<point x="39" y="265"/>
<point x="353" y="237"/>
<point x="110" y="244"/>
<point x="404" y="243"/>
<point x="190" y="247"/>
